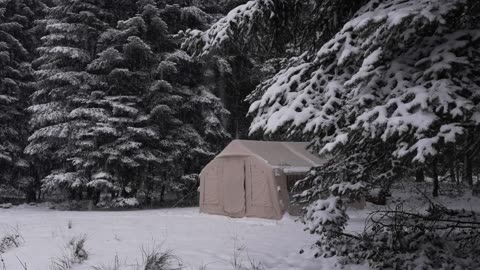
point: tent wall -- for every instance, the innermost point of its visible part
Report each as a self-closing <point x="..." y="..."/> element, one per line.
<point x="240" y="186"/>
<point x="233" y="185"/>
<point x="266" y="190"/>
<point x="211" y="197"/>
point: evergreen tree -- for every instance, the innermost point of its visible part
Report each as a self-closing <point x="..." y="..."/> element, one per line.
<point x="188" y="116"/>
<point x="256" y="39"/>
<point x="265" y="29"/>
<point x="129" y="139"/>
<point x="123" y="137"/>
<point x="17" y="45"/>
<point x="389" y="87"/>
<point x="59" y="119"/>
<point x="397" y="85"/>
<point x="254" y="27"/>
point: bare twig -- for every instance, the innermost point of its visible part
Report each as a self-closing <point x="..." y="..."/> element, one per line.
<point x="24" y="265"/>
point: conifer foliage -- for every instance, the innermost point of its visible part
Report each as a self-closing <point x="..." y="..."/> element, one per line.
<point x="59" y="121"/>
<point x="375" y="75"/>
<point x="118" y="109"/>
<point x="16" y="50"/>
<point x="397" y="85"/>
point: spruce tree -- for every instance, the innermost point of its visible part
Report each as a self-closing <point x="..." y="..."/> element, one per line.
<point x="17" y="47"/>
<point x="59" y="118"/>
<point x="395" y="89"/>
<point x="156" y="131"/>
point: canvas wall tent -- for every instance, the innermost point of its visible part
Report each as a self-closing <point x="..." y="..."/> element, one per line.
<point x="249" y="178"/>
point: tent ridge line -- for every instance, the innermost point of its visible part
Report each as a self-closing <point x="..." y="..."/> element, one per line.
<point x="299" y="154"/>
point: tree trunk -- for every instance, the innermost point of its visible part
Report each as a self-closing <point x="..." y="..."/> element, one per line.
<point x="419" y="175"/>
<point x="467" y="170"/>
<point x="453" y="179"/>
<point x="162" y="193"/>
<point x="96" y="198"/>
<point x="31" y="195"/>
<point x="435" y="180"/>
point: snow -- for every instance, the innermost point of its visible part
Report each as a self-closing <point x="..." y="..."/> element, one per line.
<point x="342" y="188"/>
<point x="243" y="17"/>
<point x="196" y="238"/>
<point x="381" y="77"/>
<point x="74" y="53"/>
<point x="295" y="169"/>
<point x="322" y="212"/>
<point x="476" y="117"/>
<point x="7" y="99"/>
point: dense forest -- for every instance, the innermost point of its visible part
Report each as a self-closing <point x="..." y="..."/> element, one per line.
<point x="131" y="98"/>
<point x="97" y="97"/>
<point x="391" y="91"/>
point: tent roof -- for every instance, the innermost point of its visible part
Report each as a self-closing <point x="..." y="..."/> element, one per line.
<point x="289" y="155"/>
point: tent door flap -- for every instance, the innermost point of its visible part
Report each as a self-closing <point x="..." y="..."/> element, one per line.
<point x="234" y="186"/>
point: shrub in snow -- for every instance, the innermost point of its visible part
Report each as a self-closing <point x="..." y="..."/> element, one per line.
<point x="119" y="203"/>
<point x="396" y="239"/>
<point x="10" y="192"/>
<point x="152" y="259"/>
<point x="6" y="205"/>
<point x="326" y="217"/>
<point x="156" y="259"/>
<point x="74" y="253"/>
<point x="77" y="246"/>
<point x="11" y="239"/>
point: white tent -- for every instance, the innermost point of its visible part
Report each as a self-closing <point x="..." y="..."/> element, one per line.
<point x="249" y="178"/>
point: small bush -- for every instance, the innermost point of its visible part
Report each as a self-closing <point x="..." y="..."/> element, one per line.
<point x="254" y="265"/>
<point x="237" y="261"/>
<point x="77" y="247"/>
<point x="74" y="253"/>
<point x="240" y="253"/>
<point x="155" y="259"/>
<point x="119" y="203"/>
<point x="11" y="239"/>
<point x="399" y="239"/>
<point x="62" y="263"/>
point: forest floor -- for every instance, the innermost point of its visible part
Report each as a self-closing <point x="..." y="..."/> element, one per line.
<point x="199" y="240"/>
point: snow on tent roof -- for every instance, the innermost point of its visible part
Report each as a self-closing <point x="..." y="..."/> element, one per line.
<point x="277" y="154"/>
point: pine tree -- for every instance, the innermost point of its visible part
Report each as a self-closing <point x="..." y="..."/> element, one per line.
<point x="148" y="142"/>
<point x="123" y="69"/>
<point x="17" y="45"/>
<point x="254" y="28"/>
<point x="257" y="38"/>
<point x="59" y="119"/>
<point x="397" y="85"/>
<point x="105" y="74"/>
<point x="266" y="29"/>
<point x="372" y="88"/>
<point x="188" y="118"/>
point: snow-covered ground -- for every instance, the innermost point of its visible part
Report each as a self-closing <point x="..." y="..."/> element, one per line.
<point x="198" y="239"/>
